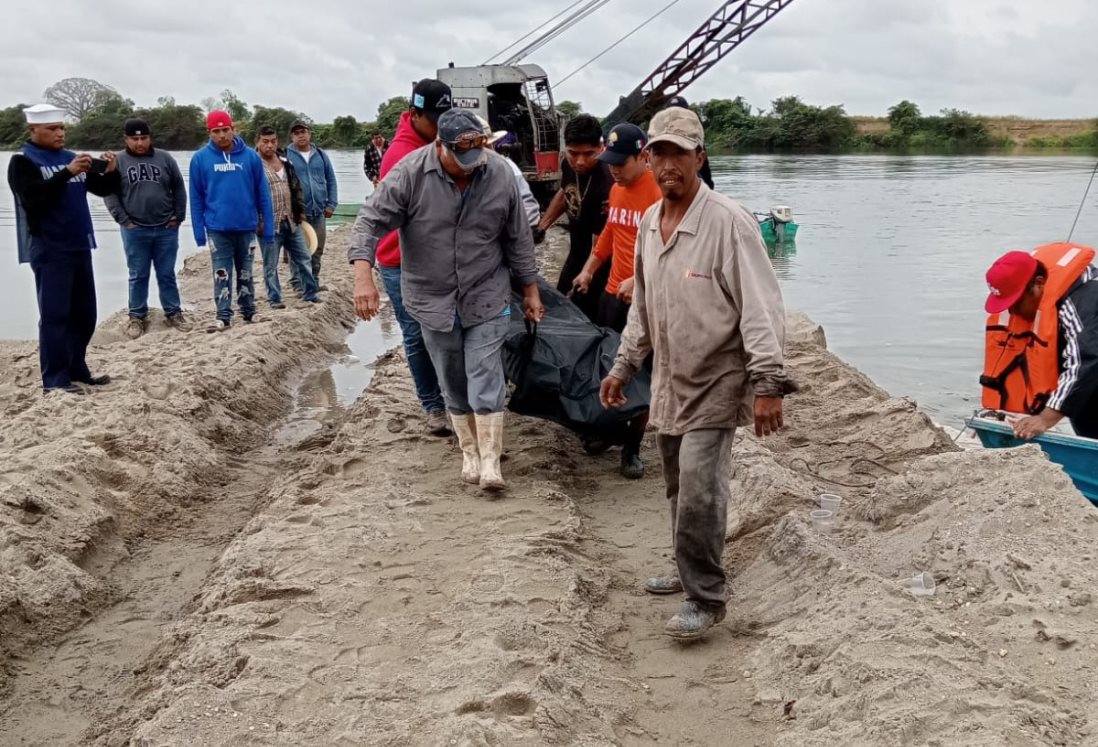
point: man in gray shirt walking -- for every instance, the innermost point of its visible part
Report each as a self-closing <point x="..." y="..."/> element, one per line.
<point x="150" y="207"/>
<point x="463" y="236"/>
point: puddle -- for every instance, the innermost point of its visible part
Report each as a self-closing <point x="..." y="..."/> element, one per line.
<point x="325" y="393"/>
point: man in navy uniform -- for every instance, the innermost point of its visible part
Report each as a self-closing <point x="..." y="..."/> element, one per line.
<point x="55" y="235"/>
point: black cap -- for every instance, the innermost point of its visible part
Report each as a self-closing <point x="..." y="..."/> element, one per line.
<point x="135" y="127"/>
<point x="677" y="101"/>
<point x="432" y="98"/>
<point x="624" y="140"/>
<point x="300" y="124"/>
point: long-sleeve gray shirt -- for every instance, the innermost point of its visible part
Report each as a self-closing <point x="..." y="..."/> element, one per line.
<point x="153" y="191"/>
<point x="458" y="249"/>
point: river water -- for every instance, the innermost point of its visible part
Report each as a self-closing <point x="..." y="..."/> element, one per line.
<point x="889" y="258"/>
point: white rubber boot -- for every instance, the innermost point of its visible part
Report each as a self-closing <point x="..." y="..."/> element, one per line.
<point x="490" y="438"/>
<point x="465" y="426"/>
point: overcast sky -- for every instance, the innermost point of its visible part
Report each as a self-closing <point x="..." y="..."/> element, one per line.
<point x="332" y="57"/>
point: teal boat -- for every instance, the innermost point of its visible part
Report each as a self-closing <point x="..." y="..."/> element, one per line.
<point x="1077" y="455"/>
<point x="777" y="226"/>
<point x="345" y="212"/>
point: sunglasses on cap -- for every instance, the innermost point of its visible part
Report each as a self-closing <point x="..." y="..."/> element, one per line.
<point x="467" y="142"/>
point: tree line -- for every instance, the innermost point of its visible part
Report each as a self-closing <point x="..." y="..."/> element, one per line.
<point x="98" y="112"/>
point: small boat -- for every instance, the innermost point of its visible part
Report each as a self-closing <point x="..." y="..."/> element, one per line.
<point x="1077" y="455"/>
<point x="777" y="226"/>
<point x="345" y="212"/>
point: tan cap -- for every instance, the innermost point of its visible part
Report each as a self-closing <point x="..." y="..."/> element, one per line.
<point x="679" y="126"/>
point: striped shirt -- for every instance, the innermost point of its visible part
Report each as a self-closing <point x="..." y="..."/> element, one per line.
<point x="1071" y="326"/>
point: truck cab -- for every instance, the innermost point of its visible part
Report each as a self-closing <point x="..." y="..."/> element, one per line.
<point x="518" y="100"/>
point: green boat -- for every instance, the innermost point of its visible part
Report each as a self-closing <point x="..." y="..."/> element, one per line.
<point x="777" y="226"/>
<point x="345" y="212"/>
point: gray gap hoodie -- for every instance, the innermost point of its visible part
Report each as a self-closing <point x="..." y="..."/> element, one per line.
<point x="153" y="191"/>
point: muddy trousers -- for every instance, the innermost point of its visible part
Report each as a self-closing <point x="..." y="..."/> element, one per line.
<point x="469" y="365"/>
<point x="696" y="469"/>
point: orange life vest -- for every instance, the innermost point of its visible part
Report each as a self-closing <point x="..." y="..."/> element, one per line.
<point x="1022" y="359"/>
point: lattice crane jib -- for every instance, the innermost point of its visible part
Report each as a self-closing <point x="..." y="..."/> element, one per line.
<point x="732" y="24"/>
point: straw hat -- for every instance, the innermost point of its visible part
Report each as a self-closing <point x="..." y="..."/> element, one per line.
<point x="311" y="240"/>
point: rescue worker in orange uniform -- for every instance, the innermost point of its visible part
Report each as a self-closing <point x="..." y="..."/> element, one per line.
<point x="1042" y="339"/>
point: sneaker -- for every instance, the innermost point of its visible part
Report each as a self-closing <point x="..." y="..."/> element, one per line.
<point x="275" y="305"/>
<point x="178" y="321"/>
<point x="632" y="468"/>
<point x="95" y="380"/>
<point x="438" y="424"/>
<point x="135" y="327"/>
<point x="249" y="318"/>
<point x="671" y="584"/>
<point x="218" y="325"/>
<point x="312" y="300"/>
<point x="692" y="621"/>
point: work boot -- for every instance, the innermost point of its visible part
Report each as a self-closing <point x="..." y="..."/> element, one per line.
<point x="178" y="321"/>
<point x="438" y="424"/>
<point x="670" y="584"/>
<point x="465" y="426"/>
<point x="632" y="468"/>
<point x="135" y="327"/>
<point x="692" y="621"/>
<point x="490" y="441"/>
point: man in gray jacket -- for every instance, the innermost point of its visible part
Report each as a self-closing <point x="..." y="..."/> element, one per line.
<point x="707" y="307"/>
<point x="463" y="236"/>
<point x="150" y="207"/>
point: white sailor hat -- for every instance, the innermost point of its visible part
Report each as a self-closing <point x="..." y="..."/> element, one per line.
<point x="44" y="114"/>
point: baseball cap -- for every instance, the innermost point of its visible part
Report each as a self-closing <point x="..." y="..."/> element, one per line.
<point x="677" y="125"/>
<point x="455" y="124"/>
<point x="624" y="140"/>
<point x="432" y="97"/>
<point x="1007" y="280"/>
<point x="493" y="137"/>
<point x="677" y="101"/>
<point x="134" y="127"/>
<point x="300" y="124"/>
<point x="217" y="119"/>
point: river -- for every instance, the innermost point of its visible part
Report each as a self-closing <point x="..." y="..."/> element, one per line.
<point x="890" y="255"/>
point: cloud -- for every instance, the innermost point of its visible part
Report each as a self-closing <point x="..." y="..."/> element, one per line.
<point x="332" y="57"/>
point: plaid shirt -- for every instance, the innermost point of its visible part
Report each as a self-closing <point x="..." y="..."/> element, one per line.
<point x="280" y="194"/>
<point x="371" y="161"/>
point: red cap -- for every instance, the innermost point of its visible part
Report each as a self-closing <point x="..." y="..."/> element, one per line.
<point x="216" y="119"/>
<point x="1007" y="280"/>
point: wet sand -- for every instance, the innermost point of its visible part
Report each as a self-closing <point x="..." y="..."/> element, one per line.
<point x="199" y="583"/>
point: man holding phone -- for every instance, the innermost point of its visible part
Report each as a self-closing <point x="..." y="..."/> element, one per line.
<point x="55" y="235"/>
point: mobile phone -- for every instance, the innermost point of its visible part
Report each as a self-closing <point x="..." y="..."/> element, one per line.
<point x="99" y="165"/>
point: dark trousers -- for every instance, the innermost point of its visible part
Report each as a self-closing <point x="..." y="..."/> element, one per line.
<point x="1086" y="423"/>
<point x="696" y="470"/>
<point x="614" y="313"/>
<point x="587" y="302"/>
<point x="65" y="283"/>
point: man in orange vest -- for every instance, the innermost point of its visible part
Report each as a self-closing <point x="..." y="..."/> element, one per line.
<point x="1063" y="290"/>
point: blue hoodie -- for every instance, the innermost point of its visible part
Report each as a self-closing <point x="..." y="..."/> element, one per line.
<point x="229" y="191"/>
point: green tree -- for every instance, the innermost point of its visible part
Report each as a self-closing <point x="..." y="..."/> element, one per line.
<point x="13" y="127"/>
<point x="175" y="126"/>
<point x="344" y="132"/>
<point x="388" y="115"/>
<point x="569" y="109"/>
<point x="277" y="117"/>
<point x="905" y="118"/>
<point x="235" y="107"/>
<point x="102" y="128"/>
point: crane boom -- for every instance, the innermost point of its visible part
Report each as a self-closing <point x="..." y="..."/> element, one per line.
<point x="726" y="29"/>
<point x="562" y="26"/>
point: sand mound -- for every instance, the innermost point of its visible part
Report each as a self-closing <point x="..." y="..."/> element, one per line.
<point x="83" y="476"/>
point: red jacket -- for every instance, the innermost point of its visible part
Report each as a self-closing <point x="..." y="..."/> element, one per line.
<point x="404" y="142"/>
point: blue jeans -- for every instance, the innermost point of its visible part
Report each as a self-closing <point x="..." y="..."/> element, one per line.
<point x="291" y="237"/>
<point x="419" y="361"/>
<point x="233" y="251"/>
<point x="147" y="247"/>
<point x="320" y="225"/>
<point x="469" y="364"/>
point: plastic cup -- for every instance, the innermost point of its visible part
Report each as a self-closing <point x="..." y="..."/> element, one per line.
<point x="823" y="521"/>
<point x="830" y="502"/>
<point x="920" y="585"/>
